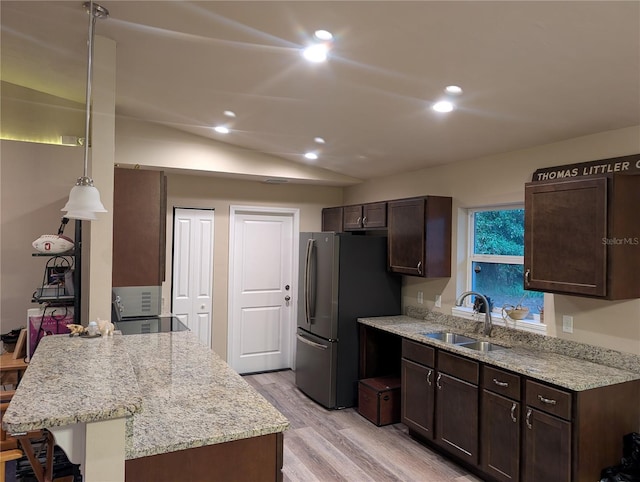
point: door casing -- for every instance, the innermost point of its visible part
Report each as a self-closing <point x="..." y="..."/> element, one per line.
<point x="258" y="211"/>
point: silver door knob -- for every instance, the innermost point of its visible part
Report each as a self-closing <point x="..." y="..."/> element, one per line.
<point x="287" y="298"/>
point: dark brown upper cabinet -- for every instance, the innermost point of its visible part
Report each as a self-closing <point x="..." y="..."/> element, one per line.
<point x="332" y="219"/>
<point x="365" y="216"/>
<point x="139" y="226"/>
<point x="582" y="237"/>
<point x="419" y="236"/>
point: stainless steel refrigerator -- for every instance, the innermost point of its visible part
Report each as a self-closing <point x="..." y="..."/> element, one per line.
<point x="342" y="277"/>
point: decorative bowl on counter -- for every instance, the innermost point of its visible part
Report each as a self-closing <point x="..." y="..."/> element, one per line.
<point x="515" y="312"/>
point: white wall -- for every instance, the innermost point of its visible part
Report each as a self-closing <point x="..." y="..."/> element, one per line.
<point x="36" y="180"/>
<point x="500" y="179"/>
<point x="220" y="194"/>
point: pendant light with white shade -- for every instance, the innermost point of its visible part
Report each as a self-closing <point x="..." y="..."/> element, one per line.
<point x="84" y="198"/>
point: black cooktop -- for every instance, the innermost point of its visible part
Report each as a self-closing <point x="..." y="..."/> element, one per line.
<point x="150" y="324"/>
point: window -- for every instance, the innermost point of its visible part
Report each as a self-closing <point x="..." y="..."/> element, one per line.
<point x="496" y="257"/>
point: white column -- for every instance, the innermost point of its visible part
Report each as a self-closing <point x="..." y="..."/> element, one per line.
<point x="105" y="451"/>
<point x="98" y="234"/>
<point x="99" y="448"/>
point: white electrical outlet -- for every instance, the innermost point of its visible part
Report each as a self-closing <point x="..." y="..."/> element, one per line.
<point x="567" y="323"/>
<point x="420" y="297"/>
<point x="438" y="301"/>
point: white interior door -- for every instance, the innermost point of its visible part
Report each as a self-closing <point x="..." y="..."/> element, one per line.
<point x="192" y="298"/>
<point x="262" y="292"/>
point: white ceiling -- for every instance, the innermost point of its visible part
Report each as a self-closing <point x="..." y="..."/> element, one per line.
<point x="532" y="72"/>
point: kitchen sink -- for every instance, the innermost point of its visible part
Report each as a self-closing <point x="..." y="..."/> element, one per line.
<point x="452" y="338"/>
<point x="483" y="346"/>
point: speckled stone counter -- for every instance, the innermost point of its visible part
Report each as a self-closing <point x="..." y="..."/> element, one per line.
<point x="190" y="397"/>
<point x="175" y="392"/>
<point x="565" y="371"/>
<point x="74" y="380"/>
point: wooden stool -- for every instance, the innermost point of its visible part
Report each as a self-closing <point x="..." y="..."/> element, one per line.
<point x="11" y="370"/>
<point x="7" y="442"/>
<point x="6" y="456"/>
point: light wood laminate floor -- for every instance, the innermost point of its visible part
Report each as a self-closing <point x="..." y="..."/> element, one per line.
<point x="341" y="445"/>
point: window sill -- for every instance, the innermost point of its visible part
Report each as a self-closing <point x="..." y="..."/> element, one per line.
<point x="498" y="320"/>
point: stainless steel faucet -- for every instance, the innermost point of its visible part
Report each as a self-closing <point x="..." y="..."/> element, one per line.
<point x="487" y="316"/>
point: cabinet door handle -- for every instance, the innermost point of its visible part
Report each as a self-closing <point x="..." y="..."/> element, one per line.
<point x="513" y="413"/>
<point x="358" y="220"/>
<point x="527" y="276"/>
<point x="438" y="381"/>
<point x="528" y="419"/>
<point x="499" y="383"/>
<point x="548" y="401"/>
<point x="419" y="267"/>
<point x="364" y="221"/>
<point x="429" y="377"/>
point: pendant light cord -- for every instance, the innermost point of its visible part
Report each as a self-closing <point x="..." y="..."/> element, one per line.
<point x="95" y="11"/>
<point x="87" y="123"/>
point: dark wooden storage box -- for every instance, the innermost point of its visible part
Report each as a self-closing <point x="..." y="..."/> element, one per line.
<point x="379" y="400"/>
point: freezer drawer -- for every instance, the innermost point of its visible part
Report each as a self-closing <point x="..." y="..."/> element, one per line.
<point x="316" y="368"/>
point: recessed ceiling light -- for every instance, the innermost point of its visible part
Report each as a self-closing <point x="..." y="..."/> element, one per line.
<point x="221" y="129"/>
<point x="311" y="155"/>
<point x="318" y="140"/>
<point x="323" y="35"/>
<point x="443" y="106"/>
<point x="316" y="53"/>
<point x="229" y="113"/>
<point x="453" y="89"/>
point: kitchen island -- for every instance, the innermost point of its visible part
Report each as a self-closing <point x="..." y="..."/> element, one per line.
<point x="180" y="412"/>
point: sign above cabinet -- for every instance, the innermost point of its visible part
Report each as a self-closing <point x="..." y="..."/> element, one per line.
<point x="614" y="165"/>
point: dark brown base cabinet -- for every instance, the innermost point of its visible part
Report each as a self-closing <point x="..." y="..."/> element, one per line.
<point x="418" y="394"/>
<point x="255" y="459"/>
<point x="457" y="406"/>
<point x="547" y="448"/>
<point x="457" y="417"/>
<point x="500" y="437"/>
<point x="501" y="424"/>
<point x="508" y="427"/>
<point x="439" y="406"/>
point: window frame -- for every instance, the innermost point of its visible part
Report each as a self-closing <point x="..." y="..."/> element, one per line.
<point x="466" y="310"/>
<point x="485" y="258"/>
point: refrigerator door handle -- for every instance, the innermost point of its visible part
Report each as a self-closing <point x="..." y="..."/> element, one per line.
<point x="309" y="302"/>
<point x="311" y="343"/>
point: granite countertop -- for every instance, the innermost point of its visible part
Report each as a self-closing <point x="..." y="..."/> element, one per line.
<point x="71" y="380"/>
<point x="191" y="397"/>
<point x="175" y="392"/>
<point x="565" y="371"/>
